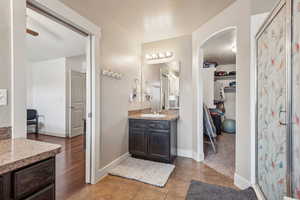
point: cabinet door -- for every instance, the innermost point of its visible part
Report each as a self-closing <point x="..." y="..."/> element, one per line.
<point x="138" y="142"/>
<point x="1" y="188"/>
<point x="159" y="145"/>
<point x="33" y="178"/>
<point x="46" y="194"/>
<point x="5" y="186"/>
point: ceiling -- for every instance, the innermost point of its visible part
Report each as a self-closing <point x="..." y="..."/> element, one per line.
<point x="152" y="20"/>
<point x="54" y="40"/>
<point x="219" y="48"/>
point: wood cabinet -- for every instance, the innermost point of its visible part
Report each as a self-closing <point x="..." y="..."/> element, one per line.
<point x="34" y="182"/>
<point x="153" y="139"/>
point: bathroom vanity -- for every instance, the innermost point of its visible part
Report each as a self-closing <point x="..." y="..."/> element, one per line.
<point x="153" y="138"/>
<point x="27" y="170"/>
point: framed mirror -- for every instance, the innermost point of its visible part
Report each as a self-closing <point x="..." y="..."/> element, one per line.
<point x="161" y="86"/>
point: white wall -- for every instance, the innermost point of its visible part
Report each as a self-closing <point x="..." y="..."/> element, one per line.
<point x="182" y="47"/>
<point x="228" y="18"/>
<point x="120" y="52"/>
<point x="208" y="86"/>
<point x="46" y="92"/>
<point x="5" y="69"/>
<point x="13" y="65"/>
<point x="76" y="63"/>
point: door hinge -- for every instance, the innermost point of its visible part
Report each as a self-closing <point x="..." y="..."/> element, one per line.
<point x="90" y="115"/>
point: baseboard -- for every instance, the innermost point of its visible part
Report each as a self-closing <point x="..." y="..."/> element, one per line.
<point x="61" y="135"/>
<point x="71" y="136"/>
<point x="101" y="173"/>
<point x="241" y="182"/>
<point x="199" y="157"/>
<point x="185" y="153"/>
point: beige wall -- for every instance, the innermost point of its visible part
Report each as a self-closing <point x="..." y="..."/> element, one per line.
<point x="182" y="47"/>
<point x="228" y="18"/>
<point x="5" y="76"/>
<point x="121" y="53"/>
<point x="261" y="6"/>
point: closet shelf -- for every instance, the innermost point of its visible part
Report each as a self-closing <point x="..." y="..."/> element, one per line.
<point x="229" y="89"/>
<point x="225" y="78"/>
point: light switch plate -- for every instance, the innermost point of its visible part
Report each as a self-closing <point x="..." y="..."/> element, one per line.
<point x="3" y="97"/>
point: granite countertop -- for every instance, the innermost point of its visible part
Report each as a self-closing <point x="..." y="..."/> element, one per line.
<point x="17" y="153"/>
<point x="168" y="117"/>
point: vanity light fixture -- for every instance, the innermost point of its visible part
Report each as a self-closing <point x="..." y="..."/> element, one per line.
<point x="111" y="74"/>
<point x="155" y="56"/>
<point x="148" y="57"/>
<point x="169" y="54"/>
<point x="161" y="55"/>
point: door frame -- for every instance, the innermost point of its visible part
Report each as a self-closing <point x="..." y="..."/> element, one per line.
<point x="200" y="134"/>
<point x="289" y="115"/>
<point x="93" y="33"/>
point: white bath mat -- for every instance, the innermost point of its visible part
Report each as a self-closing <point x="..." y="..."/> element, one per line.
<point x="149" y="172"/>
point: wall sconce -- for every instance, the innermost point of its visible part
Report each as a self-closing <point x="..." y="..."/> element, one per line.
<point x="233" y="48"/>
<point x="161" y="55"/>
<point x="134" y="94"/>
<point x="111" y="74"/>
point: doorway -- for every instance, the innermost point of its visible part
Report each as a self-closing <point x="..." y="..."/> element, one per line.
<point x="77" y="101"/>
<point x="219" y="101"/>
<point x="76" y="164"/>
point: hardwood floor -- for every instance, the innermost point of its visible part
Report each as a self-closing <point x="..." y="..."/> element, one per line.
<point x="70" y="164"/>
<point x="70" y="178"/>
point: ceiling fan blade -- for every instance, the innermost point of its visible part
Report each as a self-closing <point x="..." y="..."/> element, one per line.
<point x="31" y="32"/>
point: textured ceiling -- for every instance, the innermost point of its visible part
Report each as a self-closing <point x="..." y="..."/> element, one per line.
<point x="151" y="20"/>
<point x="219" y="48"/>
<point x="54" y="40"/>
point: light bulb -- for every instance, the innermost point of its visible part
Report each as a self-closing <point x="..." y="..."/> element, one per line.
<point x="148" y="57"/>
<point x="154" y="56"/>
<point x="169" y="54"/>
<point x="162" y="55"/>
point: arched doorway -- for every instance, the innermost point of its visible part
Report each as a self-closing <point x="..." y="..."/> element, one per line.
<point x="218" y="100"/>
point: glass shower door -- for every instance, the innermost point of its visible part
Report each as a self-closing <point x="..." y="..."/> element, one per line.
<point x="271" y="130"/>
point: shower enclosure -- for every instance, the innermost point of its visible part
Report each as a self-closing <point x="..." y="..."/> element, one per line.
<point x="277" y="107"/>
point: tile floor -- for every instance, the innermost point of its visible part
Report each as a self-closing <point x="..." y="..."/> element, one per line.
<point x="115" y="188"/>
<point x="70" y="177"/>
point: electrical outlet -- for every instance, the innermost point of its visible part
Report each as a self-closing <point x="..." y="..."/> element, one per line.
<point x="3" y="97"/>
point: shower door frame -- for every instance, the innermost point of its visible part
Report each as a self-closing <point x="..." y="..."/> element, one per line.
<point x="289" y="115"/>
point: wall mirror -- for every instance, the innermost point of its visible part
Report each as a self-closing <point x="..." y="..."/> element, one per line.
<point x="161" y="86"/>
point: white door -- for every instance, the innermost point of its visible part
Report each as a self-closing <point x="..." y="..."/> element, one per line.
<point x="78" y="98"/>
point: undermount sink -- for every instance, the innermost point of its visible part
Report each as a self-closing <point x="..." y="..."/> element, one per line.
<point x="153" y="115"/>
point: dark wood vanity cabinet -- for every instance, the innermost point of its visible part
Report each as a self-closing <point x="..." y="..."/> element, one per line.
<point x="153" y="139"/>
<point x="34" y="182"/>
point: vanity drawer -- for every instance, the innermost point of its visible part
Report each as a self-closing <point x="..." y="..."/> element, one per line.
<point x="46" y="194"/>
<point x="31" y="179"/>
<point x="138" y="124"/>
<point x="159" y="125"/>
